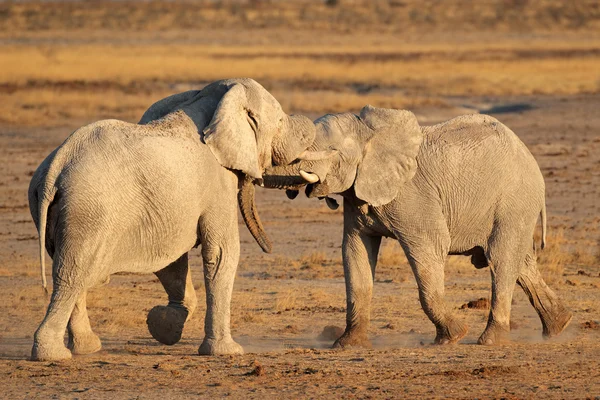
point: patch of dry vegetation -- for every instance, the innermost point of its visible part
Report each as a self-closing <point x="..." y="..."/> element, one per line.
<point x="286" y="300"/>
<point x="561" y="254"/>
<point x="81" y="62"/>
<point x="341" y="15"/>
<point x="392" y="265"/>
<point x="312" y="265"/>
<point x="43" y="85"/>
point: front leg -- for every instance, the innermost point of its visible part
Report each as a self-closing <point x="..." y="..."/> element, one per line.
<point x="359" y="253"/>
<point x="220" y="254"/>
<point x="165" y="323"/>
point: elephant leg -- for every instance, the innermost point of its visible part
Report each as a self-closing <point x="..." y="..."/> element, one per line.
<point x="554" y="315"/>
<point x="165" y="323"/>
<point x="82" y="340"/>
<point x="48" y="341"/>
<point x="220" y="255"/>
<point x="506" y="258"/>
<point x="360" y="258"/>
<point x="428" y="268"/>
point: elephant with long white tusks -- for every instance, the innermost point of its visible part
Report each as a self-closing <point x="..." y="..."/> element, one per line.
<point x="467" y="186"/>
<point x="117" y="197"/>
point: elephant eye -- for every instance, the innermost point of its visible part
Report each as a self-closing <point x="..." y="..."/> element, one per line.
<point x="252" y="121"/>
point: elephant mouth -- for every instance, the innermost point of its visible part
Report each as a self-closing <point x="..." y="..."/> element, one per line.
<point x="309" y="189"/>
<point x="320" y="190"/>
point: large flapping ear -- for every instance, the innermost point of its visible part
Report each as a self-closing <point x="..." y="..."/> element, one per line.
<point x="389" y="157"/>
<point x="230" y="135"/>
<point x="167" y="105"/>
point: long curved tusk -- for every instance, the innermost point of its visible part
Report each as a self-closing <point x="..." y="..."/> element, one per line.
<point x="308" y="177"/>
<point x="307" y="155"/>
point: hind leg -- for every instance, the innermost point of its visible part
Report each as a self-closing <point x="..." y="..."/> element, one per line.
<point x="82" y="340"/>
<point x="48" y="342"/>
<point x="554" y="315"/>
<point x="506" y="255"/>
<point x="165" y="323"/>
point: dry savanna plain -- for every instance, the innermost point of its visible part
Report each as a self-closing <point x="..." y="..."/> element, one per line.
<point x="534" y="65"/>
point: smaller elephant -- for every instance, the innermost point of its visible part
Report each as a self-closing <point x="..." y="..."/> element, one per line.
<point x="467" y="186"/>
<point x="117" y="196"/>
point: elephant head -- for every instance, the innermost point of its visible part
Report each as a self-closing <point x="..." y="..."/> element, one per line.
<point x="370" y="156"/>
<point x="246" y="130"/>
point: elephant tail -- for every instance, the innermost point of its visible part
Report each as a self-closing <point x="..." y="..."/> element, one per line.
<point x="543" y="213"/>
<point x="45" y="195"/>
<point x="43" y="213"/>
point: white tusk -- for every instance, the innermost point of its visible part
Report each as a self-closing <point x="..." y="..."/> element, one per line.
<point x="308" y="177"/>
<point x="307" y="155"/>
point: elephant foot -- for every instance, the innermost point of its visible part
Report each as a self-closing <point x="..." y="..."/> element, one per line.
<point x="214" y="347"/>
<point x="554" y="326"/>
<point x="353" y="339"/>
<point x="450" y="333"/>
<point x="166" y="323"/>
<point x="494" y="334"/>
<point x="84" y="344"/>
<point x="56" y="352"/>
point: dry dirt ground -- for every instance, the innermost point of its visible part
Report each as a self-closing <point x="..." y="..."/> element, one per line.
<point x="283" y="302"/>
<point x="532" y="64"/>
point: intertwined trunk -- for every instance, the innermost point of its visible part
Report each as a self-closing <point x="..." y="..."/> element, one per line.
<point x="283" y="177"/>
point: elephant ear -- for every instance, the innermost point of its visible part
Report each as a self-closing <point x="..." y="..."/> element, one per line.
<point x="389" y="158"/>
<point x="230" y="137"/>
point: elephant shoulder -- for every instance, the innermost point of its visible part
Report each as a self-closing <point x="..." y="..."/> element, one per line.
<point x="167" y="105"/>
<point x="468" y="130"/>
<point x="387" y="118"/>
<point x="96" y="131"/>
<point x="176" y="124"/>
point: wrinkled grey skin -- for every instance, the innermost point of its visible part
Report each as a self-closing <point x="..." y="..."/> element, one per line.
<point x="120" y="197"/>
<point x="467" y="186"/>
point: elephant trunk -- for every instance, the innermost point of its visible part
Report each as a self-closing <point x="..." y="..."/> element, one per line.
<point x="283" y="177"/>
<point x="247" y="206"/>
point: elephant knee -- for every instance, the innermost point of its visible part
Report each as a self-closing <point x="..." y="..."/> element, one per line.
<point x="211" y="259"/>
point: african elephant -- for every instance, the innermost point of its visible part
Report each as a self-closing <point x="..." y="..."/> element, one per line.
<point x="117" y="196"/>
<point x="467" y="186"/>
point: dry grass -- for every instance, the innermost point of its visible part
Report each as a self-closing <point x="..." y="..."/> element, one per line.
<point x="48" y="84"/>
<point x="562" y="256"/>
<point x="286" y="300"/>
<point x="188" y="63"/>
<point x="251" y="317"/>
<point x="317" y="259"/>
<point x="43" y="107"/>
<point x="392" y="264"/>
<point x="391" y="254"/>
<point x="405" y="16"/>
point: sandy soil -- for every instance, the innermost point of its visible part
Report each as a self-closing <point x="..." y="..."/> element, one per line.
<point x="283" y="302"/>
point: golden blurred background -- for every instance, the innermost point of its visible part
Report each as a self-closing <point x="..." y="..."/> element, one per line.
<point x="68" y="63"/>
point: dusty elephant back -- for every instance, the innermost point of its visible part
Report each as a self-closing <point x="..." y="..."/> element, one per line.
<point x="479" y="168"/>
<point x="477" y="145"/>
<point x="143" y="184"/>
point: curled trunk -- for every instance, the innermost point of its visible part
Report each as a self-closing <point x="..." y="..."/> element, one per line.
<point x="250" y="215"/>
